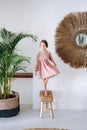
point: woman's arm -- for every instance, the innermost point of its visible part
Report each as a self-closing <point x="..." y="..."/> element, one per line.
<point x="51" y="58"/>
<point x="36" y="67"/>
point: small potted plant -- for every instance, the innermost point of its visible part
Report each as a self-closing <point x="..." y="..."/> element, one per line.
<point x="10" y="63"/>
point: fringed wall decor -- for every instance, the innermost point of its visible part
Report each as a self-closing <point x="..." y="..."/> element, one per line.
<point x="71" y="39"/>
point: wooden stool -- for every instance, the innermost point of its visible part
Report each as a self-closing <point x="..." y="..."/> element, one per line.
<point x="46" y="102"/>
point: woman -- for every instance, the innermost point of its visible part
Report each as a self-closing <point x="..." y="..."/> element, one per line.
<point x="45" y="64"/>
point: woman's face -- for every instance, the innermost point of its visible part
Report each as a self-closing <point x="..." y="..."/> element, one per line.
<point x="43" y="46"/>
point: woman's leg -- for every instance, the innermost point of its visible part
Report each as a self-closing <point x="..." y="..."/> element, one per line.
<point x="45" y="85"/>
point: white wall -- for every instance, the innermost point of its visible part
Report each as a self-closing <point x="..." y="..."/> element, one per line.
<point x="41" y="18"/>
<point x="25" y="87"/>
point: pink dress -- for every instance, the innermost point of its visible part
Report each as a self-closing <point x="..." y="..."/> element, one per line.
<point x="45" y="65"/>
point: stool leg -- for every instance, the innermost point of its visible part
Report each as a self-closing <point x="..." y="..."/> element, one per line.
<point x="51" y="110"/>
<point x="41" y="110"/>
<point x="46" y="105"/>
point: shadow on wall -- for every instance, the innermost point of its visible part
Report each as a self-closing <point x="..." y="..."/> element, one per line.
<point x="79" y="91"/>
<point x="69" y="91"/>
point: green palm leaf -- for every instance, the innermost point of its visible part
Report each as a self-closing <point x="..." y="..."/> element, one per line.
<point x="10" y="61"/>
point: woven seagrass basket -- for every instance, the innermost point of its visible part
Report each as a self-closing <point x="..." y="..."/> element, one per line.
<point x="10" y="107"/>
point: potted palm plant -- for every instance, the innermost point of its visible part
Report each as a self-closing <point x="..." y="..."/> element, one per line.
<point x="10" y="63"/>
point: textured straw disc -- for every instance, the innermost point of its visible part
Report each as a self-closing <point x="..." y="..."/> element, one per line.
<point x="65" y="43"/>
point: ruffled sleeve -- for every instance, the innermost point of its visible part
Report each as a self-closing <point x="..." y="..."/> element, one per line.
<point x="36" y="67"/>
<point x="51" y="58"/>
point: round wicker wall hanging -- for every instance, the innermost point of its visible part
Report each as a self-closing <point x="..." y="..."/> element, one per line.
<point x="71" y="39"/>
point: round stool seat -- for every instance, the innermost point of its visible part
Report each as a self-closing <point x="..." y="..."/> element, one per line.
<point x="48" y="98"/>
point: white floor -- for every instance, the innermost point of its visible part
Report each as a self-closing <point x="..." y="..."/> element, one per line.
<point x="28" y="118"/>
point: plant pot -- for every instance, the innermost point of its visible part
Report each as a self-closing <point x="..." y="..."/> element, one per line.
<point x="10" y="107"/>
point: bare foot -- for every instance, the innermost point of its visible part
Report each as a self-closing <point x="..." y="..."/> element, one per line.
<point x="45" y="93"/>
